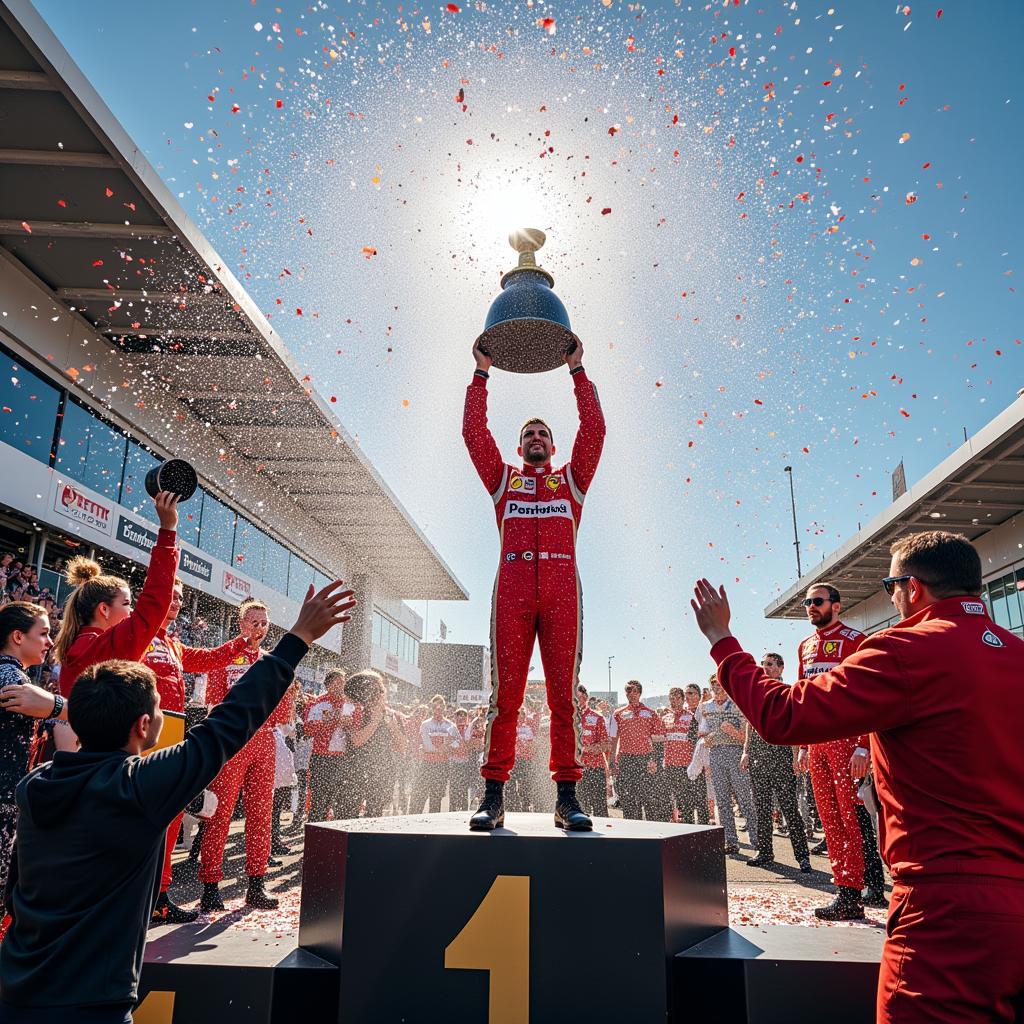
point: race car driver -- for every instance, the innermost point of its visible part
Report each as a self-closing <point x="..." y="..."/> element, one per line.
<point x="537" y="592"/>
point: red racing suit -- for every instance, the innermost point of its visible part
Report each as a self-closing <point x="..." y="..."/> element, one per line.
<point x="537" y="593"/>
<point x="250" y="771"/>
<point x="169" y="659"/>
<point x="130" y="638"/>
<point x="835" y="791"/>
<point x="940" y="695"/>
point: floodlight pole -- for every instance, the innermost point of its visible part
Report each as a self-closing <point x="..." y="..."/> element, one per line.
<point x="796" y="535"/>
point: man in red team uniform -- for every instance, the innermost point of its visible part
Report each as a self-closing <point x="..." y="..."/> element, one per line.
<point x="940" y="695"/>
<point x="333" y="787"/>
<point x="251" y="770"/>
<point x="688" y="795"/>
<point x="836" y="765"/>
<point x="537" y="594"/>
<point x="169" y="659"/>
<point x="639" y="728"/>
<point x="593" y="787"/>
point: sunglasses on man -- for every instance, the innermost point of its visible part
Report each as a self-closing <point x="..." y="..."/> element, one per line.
<point x="816" y="601"/>
<point x="889" y="583"/>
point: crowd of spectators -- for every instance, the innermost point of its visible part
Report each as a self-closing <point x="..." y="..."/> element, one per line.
<point x="350" y="750"/>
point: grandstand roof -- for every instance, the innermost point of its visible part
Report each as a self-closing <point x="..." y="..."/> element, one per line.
<point x="171" y="309"/>
<point x="978" y="487"/>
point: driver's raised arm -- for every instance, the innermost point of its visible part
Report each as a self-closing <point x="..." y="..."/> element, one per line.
<point x="480" y="443"/>
<point x="586" y="449"/>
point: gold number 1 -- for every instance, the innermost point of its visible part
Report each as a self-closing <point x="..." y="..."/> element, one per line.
<point x="496" y="939"/>
<point x="156" y="1008"/>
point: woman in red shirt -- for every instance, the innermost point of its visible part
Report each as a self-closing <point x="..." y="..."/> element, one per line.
<point x="99" y="621"/>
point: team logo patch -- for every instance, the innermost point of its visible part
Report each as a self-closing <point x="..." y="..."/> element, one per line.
<point x="974" y="608"/>
<point x="831" y="648"/>
<point x="510" y="557"/>
<point x="988" y="637"/>
<point x="553" y="482"/>
<point x="523" y="485"/>
<point x="527" y="556"/>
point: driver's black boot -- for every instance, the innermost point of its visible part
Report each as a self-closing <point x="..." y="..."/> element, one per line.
<point x="568" y="813"/>
<point x="491" y="814"/>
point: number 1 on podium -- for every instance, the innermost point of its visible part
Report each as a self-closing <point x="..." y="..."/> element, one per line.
<point x="496" y="939"/>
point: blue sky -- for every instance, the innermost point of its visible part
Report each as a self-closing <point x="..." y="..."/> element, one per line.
<point x="809" y="257"/>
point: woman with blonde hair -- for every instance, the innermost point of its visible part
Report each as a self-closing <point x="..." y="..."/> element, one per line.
<point x="99" y="621"/>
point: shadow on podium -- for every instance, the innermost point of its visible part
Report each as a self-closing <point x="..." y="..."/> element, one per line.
<point x="431" y="922"/>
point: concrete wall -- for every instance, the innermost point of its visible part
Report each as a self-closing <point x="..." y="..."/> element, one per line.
<point x="448" y="668"/>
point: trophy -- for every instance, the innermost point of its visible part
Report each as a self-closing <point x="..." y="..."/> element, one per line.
<point x="527" y="328"/>
<point x="174" y="475"/>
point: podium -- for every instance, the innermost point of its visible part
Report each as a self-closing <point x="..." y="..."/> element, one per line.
<point x="428" y="921"/>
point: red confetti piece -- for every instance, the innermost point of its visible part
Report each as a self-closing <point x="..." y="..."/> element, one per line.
<point x="454" y="8"/>
<point x="279" y="104"/>
<point x="606" y="211"/>
<point x="25" y="225"/>
<point x="109" y="192"/>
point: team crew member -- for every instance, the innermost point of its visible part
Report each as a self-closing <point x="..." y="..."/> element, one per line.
<point x="333" y="783"/>
<point x="593" y="788"/>
<point x="521" y="779"/>
<point x="99" y="621"/>
<point x="835" y="765"/>
<point x="688" y="795"/>
<point x="721" y="725"/>
<point x="637" y="761"/>
<point x="250" y="771"/>
<point x="537" y="593"/>
<point x="948" y="768"/>
<point x="772" y="771"/>
<point x="437" y="737"/>
<point x="463" y="770"/>
<point x="169" y="659"/>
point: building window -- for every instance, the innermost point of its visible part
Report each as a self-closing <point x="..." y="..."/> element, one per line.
<point x="300" y="576"/>
<point x="1004" y="598"/>
<point x="249" y="548"/>
<point x="28" y="410"/>
<point x="378" y="625"/>
<point x="133" y="487"/>
<point x="190" y="516"/>
<point x="275" y="566"/>
<point x="91" y="452"/>
<point x="218" y="529"/>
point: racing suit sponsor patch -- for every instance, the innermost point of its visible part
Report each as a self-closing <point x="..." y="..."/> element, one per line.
<point x="522" y="484"/>
<point x="538" y="509"/>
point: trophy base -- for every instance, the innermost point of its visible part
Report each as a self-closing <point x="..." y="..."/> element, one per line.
<point x="527" y="345"/>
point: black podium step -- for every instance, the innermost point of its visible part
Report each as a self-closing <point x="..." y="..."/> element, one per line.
<point x="210" y="974"/>
<point x="782" y="974"/>
<point x="526" y="925"/>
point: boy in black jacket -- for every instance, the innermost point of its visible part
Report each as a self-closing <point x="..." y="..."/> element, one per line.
<point x="92" y="824"/>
